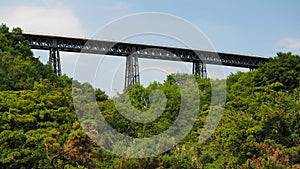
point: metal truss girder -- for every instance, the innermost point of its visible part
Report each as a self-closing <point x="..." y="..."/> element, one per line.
<point x="67" y="44"/>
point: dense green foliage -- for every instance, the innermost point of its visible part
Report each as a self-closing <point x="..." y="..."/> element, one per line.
<point x="18" y="69"/>
<point x="260" y="127"/>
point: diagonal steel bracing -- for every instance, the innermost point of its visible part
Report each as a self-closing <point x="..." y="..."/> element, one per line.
<point x="54" y="60"/>
<point x="132" y="75"/>
<point x="199" y="69"/>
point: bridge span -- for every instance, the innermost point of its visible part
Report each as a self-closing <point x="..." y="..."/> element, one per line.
<point x="133" y="51"/>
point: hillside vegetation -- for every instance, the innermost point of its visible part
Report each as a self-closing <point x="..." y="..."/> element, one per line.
<point x="260" y="126"/>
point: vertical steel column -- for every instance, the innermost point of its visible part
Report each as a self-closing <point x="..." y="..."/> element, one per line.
<point x="132" y="74"/>
<point x="199" y="69"/>
<point x="58" y="63"/>
<point x="54" y="60"/>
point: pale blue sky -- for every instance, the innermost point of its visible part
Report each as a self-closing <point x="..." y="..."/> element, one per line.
<point x="254" y="27"/>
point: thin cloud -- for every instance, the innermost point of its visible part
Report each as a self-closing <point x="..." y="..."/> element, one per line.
<point x="290" y="43"/>
<point x="46" y="20"/>
<point x="118" y="6"/>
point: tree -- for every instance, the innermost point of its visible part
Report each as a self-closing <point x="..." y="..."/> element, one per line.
<point x="284" y="68"/>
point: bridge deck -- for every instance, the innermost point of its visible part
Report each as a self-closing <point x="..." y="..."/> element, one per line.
<point x="68" y="44"/>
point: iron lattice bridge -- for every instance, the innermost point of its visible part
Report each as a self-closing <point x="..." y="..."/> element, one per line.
<point x="132" y="52"/>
